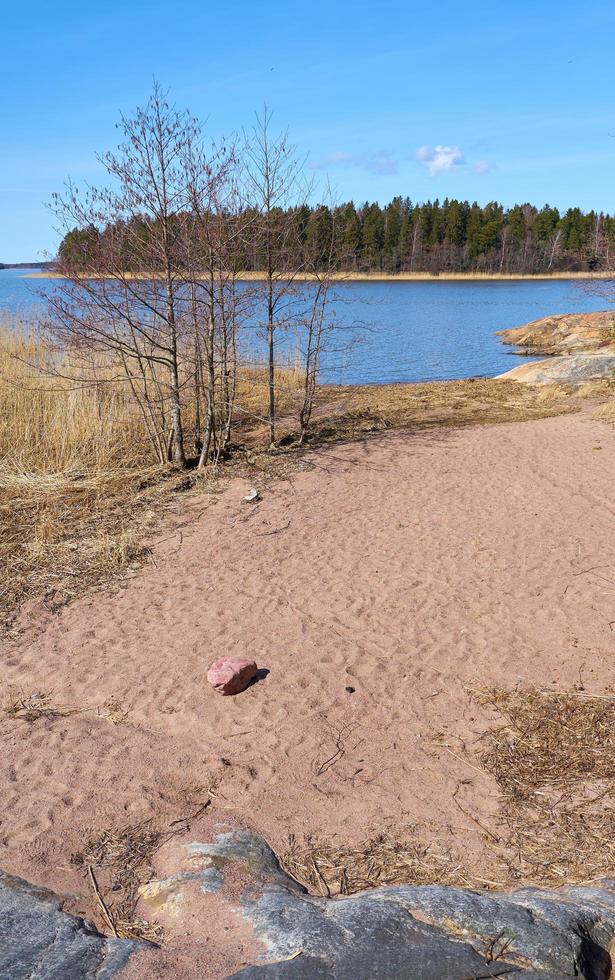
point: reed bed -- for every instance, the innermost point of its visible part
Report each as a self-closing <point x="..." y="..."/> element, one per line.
<point x="79" y="491"/>
<point x="52" y="423"/>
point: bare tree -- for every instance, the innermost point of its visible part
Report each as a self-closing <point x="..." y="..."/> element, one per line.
<point x="126" y="301"/>
<point x="275" y="185"/>
<point x="151" y="296"/>
<point x="214" y="252"/>
<point x="153" y="291"/>
<point x="319" y="321"/>
<point x="554" y="245"/>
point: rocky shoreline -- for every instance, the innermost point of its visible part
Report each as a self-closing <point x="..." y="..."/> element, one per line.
<point x="580" y="347"/>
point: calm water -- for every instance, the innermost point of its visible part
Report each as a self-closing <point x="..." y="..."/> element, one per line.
<point x="411" y="331"/>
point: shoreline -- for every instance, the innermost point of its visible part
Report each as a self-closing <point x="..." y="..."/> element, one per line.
<point x="392" y="277"/>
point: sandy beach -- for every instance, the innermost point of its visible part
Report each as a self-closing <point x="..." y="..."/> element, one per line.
<point x="380" y="585"/>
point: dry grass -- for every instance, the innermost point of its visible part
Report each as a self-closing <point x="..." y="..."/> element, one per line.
<point x="114" y="711"/>
<point x="252" y="392"/>
<point x="76" y="493"/>
<point x="63" y="534"/>
<point x="118" y="861"/>
<point x="31" y="707"/>
<point x="344" y="413"/>
<point x="396" y="857"/>
<point x="51" y="423"/>
<point x="549" y="740"/>
<point x="353" y="410"/>
<point x="79" y="495"/>
<point x="604" y="388"/>
<point x="124" y="855"/>
<point x="553" y="757"/>
<point x="554" y="761"/>
<point x="606" y="412"/>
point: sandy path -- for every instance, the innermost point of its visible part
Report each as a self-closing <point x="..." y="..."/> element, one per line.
<point x="409" y="567"/>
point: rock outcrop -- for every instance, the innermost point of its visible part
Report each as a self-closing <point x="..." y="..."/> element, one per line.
<point x="565" y="333"/>
<point x="572" y="369"/>
<point x="38" y="941"/>
<point x="428" y="932"/>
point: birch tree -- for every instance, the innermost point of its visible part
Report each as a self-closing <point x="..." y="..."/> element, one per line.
<point x="275" y="188"/>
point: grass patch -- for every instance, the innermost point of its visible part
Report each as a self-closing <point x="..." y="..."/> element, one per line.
<point x="31" y="707"/>
<point x="606" y="412"/>
<point x="386" y="859"/>
<point x="347" y="412"/>
<point x="554" y="761"/>
<point x="65" y="533"/>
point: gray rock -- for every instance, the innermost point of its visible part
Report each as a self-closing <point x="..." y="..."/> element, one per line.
<point x="38" y="941"/>
<point x="419" y="932"/>
<point x="571" y="369"/>
<point x="427" y="932"/>
<point x="241" y="847"/>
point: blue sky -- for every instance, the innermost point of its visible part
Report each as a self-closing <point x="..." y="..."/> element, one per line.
<point x="475" y="99"/>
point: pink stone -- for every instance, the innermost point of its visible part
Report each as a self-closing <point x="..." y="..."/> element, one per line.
<point x="230" y="675"/>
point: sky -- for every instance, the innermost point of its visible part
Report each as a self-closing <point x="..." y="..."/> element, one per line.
<point x="472" y="99"/>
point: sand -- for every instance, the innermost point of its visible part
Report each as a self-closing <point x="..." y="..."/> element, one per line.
<point x="412" y="568"/>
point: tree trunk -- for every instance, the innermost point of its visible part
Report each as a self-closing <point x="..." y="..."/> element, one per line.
<point x="271" y="362"/>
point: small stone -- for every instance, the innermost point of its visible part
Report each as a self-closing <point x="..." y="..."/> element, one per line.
<point x="349" y="690"/>
<point x="230" y="675"/>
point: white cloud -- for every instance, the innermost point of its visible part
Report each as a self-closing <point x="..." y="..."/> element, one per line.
<point x="481" y="167"/>
<point x="438" y="159"/>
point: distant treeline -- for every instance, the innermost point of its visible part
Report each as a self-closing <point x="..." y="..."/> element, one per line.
<point x="26" y="265"/>
<point x="438" y="236"/>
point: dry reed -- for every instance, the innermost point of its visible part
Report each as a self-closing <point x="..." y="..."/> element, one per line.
<point x="124" y="855"/>
<point x="31" y="707"/>
<point x="605" y="412"/>
<point x="553" y="757"/>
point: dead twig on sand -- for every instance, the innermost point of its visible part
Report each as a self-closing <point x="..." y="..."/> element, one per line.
<point x="31" y="707"/>
<point x="101" y="902"/>
<point x="277" y="530"/>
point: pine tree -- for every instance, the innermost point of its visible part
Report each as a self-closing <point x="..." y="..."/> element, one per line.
<point x="373" y="235"/>
<point x="393" y="217"/>
<point x="349" y="235"/>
